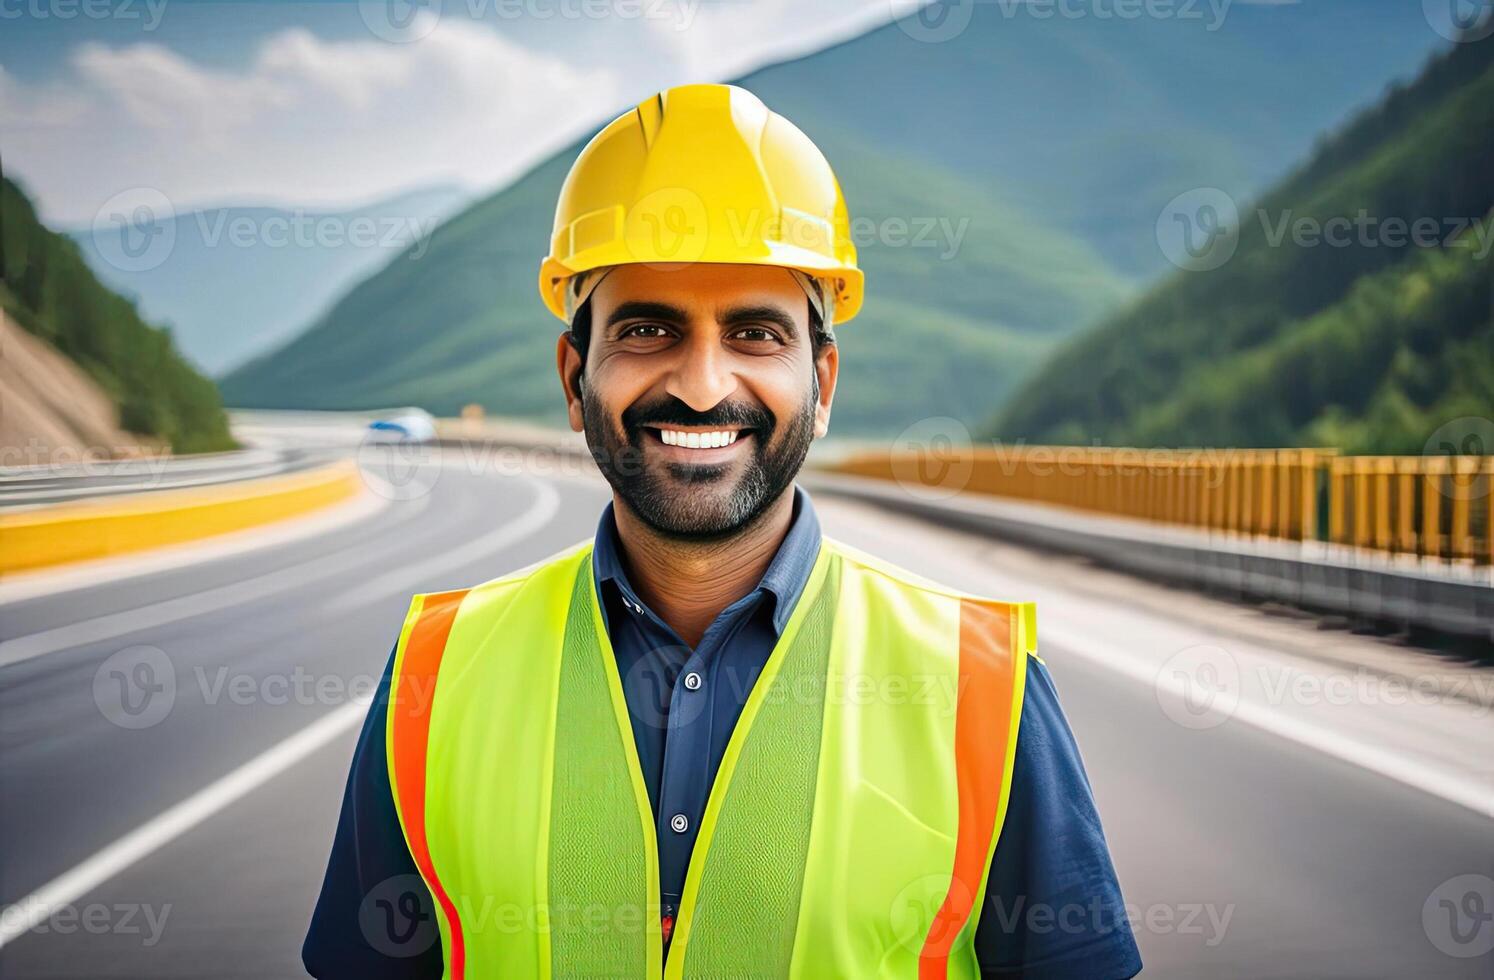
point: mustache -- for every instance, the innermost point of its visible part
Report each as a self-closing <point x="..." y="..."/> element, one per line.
<point x="726" y="415"/>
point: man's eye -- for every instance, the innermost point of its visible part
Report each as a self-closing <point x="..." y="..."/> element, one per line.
<point x="756" y="334"/>
<point x="642" y="330"/>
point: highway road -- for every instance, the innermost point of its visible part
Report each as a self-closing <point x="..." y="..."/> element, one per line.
<point x="184" y="833"/>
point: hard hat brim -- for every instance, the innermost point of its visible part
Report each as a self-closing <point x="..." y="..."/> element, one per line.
<point x="849" y="282"/>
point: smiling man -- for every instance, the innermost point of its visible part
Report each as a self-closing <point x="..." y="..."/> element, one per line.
<point x="710" y="741"/>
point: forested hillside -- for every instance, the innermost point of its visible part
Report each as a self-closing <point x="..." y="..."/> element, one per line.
<point x="1367" y="334"/>
<point x="49" y="291"/>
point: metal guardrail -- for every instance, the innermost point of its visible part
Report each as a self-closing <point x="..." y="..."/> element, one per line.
<point x="1452" y="600"/>
<point x="1435" y="508"/>
<point x="36" y="486"/>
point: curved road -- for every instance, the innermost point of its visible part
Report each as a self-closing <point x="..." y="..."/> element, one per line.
<point x="1243" y="853"/>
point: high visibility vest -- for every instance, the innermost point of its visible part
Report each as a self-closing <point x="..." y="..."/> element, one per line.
<point x="849" y="830"/>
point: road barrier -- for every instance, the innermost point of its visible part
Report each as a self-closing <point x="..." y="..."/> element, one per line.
<point x="55" y="535"/>
<point x="1436" y="508"/>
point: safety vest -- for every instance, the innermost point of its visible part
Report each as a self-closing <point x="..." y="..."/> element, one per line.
<point x="849" y="830"/>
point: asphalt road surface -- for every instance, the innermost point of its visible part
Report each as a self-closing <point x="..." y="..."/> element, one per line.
<point x="184" y="834"/>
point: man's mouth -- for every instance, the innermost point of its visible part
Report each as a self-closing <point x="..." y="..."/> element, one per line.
<point x="697" y="439"/>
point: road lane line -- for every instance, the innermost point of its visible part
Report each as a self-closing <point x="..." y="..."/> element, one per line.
<point x="27" y="913"/>
<point x="1472" y="790"/>
<point x="1466" y="790"/>
<point x="112" y="625"/>
<point x="409" y="577"/>
<point x="36" y="908"/>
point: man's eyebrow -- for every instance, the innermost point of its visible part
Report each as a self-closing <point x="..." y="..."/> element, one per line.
<point x="749" y="314"/>
<point x="647" y="309"/>
<point x="733" y="316"/>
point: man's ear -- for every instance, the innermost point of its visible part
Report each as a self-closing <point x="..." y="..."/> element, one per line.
<point x="568" y="363"/>
<point x="826" y="370"/>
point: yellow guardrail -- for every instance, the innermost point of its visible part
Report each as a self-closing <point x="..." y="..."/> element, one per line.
<point x="56" y="535"/>
<point x="1439" y="507"/>
<point x="1433" y="506"/>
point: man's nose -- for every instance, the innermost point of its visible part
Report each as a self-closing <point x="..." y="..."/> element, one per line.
<point x="702" y="377"/>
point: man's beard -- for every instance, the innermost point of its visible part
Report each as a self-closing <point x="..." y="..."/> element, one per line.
<point x="695" y="501"/>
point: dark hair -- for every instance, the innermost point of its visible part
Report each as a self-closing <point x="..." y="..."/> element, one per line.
<point x="580" y="332"/>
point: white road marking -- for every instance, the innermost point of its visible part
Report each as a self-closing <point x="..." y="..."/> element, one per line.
<point x="112" y="625"/>
<point x="37" y="907"/>
<point x="546" y="505"/>
<point x="1465" y="789"/>
<point x="1398" y="751"/>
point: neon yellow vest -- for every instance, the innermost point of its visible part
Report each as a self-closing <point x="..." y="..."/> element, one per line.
<point x="849" y="830"/>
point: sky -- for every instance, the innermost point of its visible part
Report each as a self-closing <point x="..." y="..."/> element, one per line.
<point x="341" y="102"/>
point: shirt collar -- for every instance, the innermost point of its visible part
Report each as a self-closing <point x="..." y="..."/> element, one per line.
<point x="784" y="579"/>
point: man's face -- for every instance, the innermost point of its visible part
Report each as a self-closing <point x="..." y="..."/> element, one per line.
<point x="700" y="393"/>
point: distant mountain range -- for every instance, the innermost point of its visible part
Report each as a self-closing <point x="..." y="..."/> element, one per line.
<point x="234" y="282"/>
<point x="1038" y="152"/>
<point x="1354" y="308"/>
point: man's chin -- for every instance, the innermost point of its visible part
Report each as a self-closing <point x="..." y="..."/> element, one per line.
<point x="692" y="509"/>
<point x="686" y="477"/>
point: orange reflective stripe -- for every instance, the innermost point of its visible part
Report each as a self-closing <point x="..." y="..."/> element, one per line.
<point x="982" y="730"/>
<point x="410" y="721"/>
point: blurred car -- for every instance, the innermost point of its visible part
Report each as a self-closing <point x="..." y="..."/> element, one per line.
<point x="417" y="427"/>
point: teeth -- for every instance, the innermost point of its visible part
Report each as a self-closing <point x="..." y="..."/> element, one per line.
<point x="699" y="440"/>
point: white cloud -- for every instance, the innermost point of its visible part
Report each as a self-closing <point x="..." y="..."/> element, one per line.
<point x="712" y="41"/>
<point x="307" y="121"/>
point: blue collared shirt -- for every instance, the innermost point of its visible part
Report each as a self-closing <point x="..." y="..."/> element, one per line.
<point x="1051" y="866"/>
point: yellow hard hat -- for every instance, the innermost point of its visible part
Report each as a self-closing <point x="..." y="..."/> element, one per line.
<point x="702" y="173"/>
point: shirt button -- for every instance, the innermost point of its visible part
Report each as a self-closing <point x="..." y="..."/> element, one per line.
<point x="692" y="681"/>
<point x="679" y="823"/>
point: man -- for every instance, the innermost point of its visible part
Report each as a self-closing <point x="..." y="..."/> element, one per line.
<point x="710" y="741"/>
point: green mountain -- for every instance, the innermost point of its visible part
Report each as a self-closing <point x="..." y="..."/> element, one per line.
<point x="1363" y="339"/>
<point x="1034" y="153"/>
<point x="47" y="288"/>
<point x="235" y="282"/>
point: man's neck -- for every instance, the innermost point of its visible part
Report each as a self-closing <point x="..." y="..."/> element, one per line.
<point x="688" y="583"/>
